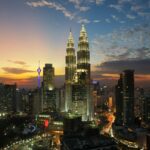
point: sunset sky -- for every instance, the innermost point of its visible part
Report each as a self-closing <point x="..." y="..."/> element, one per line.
<point x="33" y="30"/>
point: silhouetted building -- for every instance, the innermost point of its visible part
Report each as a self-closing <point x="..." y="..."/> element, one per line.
<point x="8" y="98"/>
<point x="119" y="101"/>
<point x="139" y="102"/>
<point x="25" y="101"/>
<point x="128" y="97"/>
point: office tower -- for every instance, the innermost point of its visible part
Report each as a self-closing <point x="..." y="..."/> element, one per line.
<point x="128" y="97"/>
<point x="69" y="71"/>
<point x="19" y="101"/>
<point x="39" y="78"/>
<point x="48" y="77"/>
<point x="8" y="98"/>
<point x="119" y="101"/>
<point x="25" y="101"/>
<point x="83" y="73"/>
<point x="49" y="95"/>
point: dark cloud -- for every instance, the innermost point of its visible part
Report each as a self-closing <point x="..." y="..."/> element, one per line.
<point x="17" y="62"/>
<point x="123" y="44"/>
<point x="16" y="70"/>
<point x="136" y="54"/>
<point x="110" y="67"/>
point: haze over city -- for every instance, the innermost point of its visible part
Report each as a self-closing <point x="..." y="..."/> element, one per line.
<point x="118" y="32"/>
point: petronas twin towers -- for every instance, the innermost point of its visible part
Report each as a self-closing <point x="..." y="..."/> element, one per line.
<point x="77" y="77"/>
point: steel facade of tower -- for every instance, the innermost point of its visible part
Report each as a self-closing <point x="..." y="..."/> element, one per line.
<point x="70" y="70"/>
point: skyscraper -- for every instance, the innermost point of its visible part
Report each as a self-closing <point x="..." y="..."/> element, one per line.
<point x="69" y="71"/>
<point x="83" y="56"/>
<point x="8" y="98"/>
<point x="119" y="101"/>
<point x="48" y="77"/>
<point x="78" y="91"/>
<point x="128" y="97"/>
<point x="48" y="88"/>
<point x="83" y="72"/>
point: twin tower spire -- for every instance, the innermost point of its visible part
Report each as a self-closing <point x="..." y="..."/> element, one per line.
<point x="77" y="75"/>
<point x="83" y="34"/>
<point x="83" y="55"/>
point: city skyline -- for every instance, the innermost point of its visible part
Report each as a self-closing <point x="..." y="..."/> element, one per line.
<point x="118" y="35"/>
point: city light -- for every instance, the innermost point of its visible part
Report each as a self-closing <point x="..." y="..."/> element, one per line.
<point x="75" y="75"/>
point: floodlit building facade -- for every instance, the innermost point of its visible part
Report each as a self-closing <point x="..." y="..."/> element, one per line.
<point x="70" y="70"/>
<point x="78" y="91"/>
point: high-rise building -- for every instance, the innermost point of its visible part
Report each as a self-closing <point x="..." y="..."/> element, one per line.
<point x="49" y="95"/>
<point x="48" y="77"/>
<point x="128" y="97"/>
<point x="119" y="101"/>
<point x="8" y="98"/>
<point x="19" y="100"/>
<point x="83" y="72"/>
<point x="83" y="56"/>
<point x="78" y="91"/>
<point x="138" y="103"/>
<point x="69" y="71"/>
